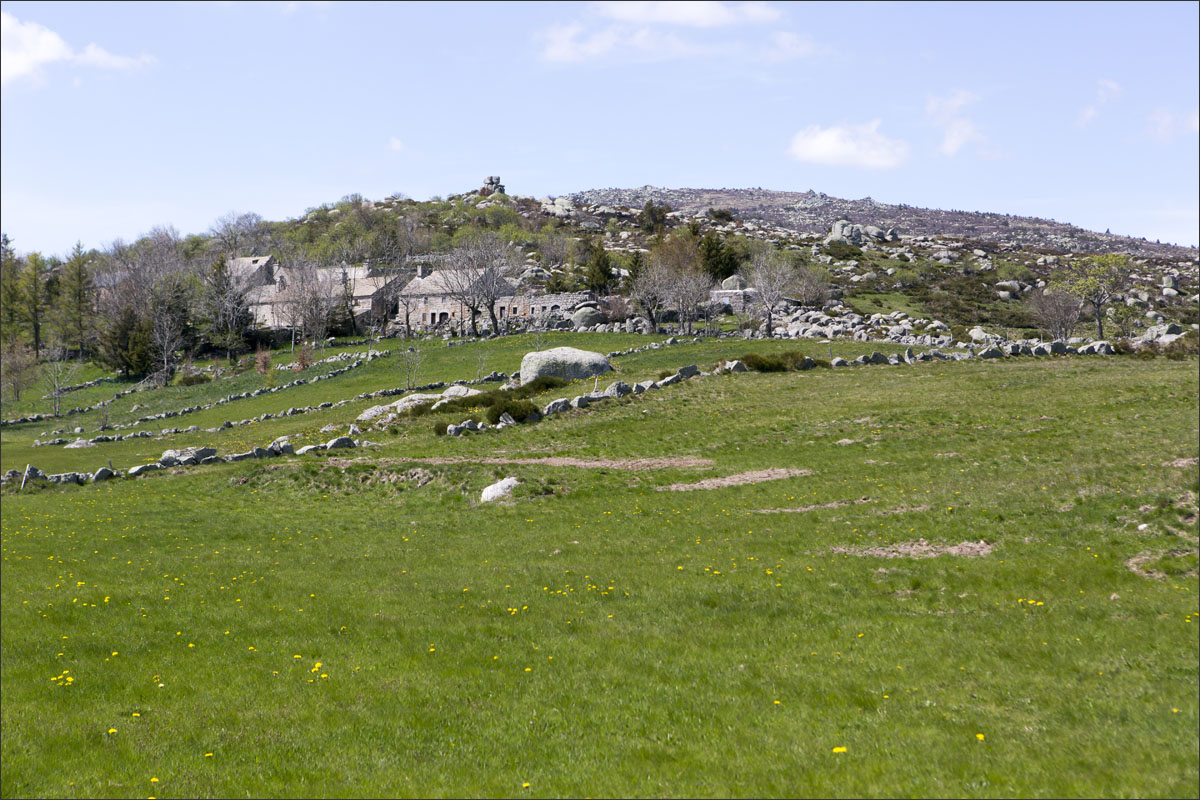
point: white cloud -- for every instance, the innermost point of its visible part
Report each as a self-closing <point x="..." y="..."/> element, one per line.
<point x="1106" y="91"/>
<point x="787" y="46"/>
<point x="848" y="146"/>
<point x="1166" y="125"/>
<point x="692" y="14"/>
<point x="295" y="5"/>
<point x="26" y="47"/>
<point x="395" y="145"/>
<point x="572" y="43"/>
<point x="957" y="130"/>
<point x="958" y="134"/>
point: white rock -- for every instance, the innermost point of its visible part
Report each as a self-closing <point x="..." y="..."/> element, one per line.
<point x="498" y="490"/>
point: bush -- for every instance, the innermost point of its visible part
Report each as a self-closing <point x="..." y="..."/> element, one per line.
<point x="842" y="251"/>
<point x="790" y="361"/>
<point x="520" y="410"/>
<point x="439" y="428"/>
<point x="538" y="385"/>
<point x="193" y="379"/>
<point x="796" y="360"/>
<point x="1184" y="346"/>
<point x="761" y="363"/>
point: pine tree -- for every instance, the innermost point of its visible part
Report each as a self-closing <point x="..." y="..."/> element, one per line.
<point x="598" y="275"/>
<point x="35" y="284"/>
<point x="10" y="290"/>
<point x="75" y="316"/>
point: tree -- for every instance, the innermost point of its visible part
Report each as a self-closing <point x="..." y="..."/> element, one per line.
<point x="651" y="289"/>
<point x="18" y="369"/>
<point x="168" y="321"/>
<point x="476" y="275"/>
<point x="553" y="251"/>
<point x="35" y="283"/>
<point x="226" y="315"/>
<point x="718" y="261"/>
<point x="1095" y="281"/>
<point x="598" y="273"/>
<point x="410" y="363"/>
<point x="681" y="274"/>
<point x="653" y="218"/>
<point x="76" y="300"/>
<point x="636" y="263"/>
<point x="1056" y="312"/>
<point x="691" y="290"/>
<point x="811" y="285"/>
<point x="238" y="234"/>
<point x="10" y="289"/>
<point x="773" y="280"/>
<point x="57" y="373"/>
<point x="125" y="344"/>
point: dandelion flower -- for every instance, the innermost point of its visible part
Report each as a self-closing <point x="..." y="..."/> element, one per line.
<point x="979" y="736"/>
<point x="839" y="749"/>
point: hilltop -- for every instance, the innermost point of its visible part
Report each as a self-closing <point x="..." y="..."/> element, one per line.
<point x="813" y="213"/>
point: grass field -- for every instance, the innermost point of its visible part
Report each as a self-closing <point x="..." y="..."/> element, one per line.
<point x="361" y="626"/>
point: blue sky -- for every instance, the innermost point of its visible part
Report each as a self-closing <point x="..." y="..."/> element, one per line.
<point x="120" y="116"/>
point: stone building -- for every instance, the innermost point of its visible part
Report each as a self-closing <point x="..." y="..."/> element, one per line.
<point x="430" y="302"/>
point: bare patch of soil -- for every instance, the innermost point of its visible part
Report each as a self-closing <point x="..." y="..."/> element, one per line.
<point x="901" y="510"/>
<point x="1183" y="463"/>
<point x="738" y="479"/>
<point x="1137" y="564"/>
<point x="634" y="464"/>
<point x="920" y="549"/>
<point x="802" y="509"/>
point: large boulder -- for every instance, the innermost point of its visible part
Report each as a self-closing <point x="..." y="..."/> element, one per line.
<point x="586" y="318"/>
<point x="567" y="363"/>
<point x="498" y="490"/>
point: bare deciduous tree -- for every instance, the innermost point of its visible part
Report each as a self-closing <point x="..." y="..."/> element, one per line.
<point x="238" y="234"/>
<point x="57" y="373"/>
<point x="690" y="291"/>
<point x="651" y="289"/>
<point x="410" y="363"/>
<point x="553" y="251"/>
<point x="18" y="368"/>
<point x="1056" y="312"/>
<point x="773" y="280"/>
<point x="812" y="285"/>
<point x="477" y="276"/>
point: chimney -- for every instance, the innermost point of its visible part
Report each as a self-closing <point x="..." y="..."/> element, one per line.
<point x="423" y="270"/>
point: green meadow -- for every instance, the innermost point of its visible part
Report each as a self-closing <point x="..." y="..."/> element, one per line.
<point x="974" y="579"/>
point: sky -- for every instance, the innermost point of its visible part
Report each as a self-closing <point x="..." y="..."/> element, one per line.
<point x="117" y="117"/>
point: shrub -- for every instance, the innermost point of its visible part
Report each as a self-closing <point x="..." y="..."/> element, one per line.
<point x="796" y="360"/>
<point x="439" y="428"/>
<point x="665" y="373"/>
<point x="419" y="410"/>
<point x="262" y="360"/>
<point x="842" y="251"/>
<point x="520" y="410"/>
<point x="304" y="358"/>
<point x="538" y="385"/>
<point x="761" y="363"/>
<point x="193" y="379"/>
<point x="1184" y="346"/>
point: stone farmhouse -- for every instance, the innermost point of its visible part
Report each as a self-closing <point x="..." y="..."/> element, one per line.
<point x="431" y="303"/>
<point x="270" y="289"/>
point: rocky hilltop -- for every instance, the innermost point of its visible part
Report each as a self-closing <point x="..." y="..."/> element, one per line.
<point x="814" y="213"/>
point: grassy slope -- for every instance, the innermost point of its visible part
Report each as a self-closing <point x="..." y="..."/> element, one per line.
<point x="599" y="637"/>
<point x="441" y="364"/>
